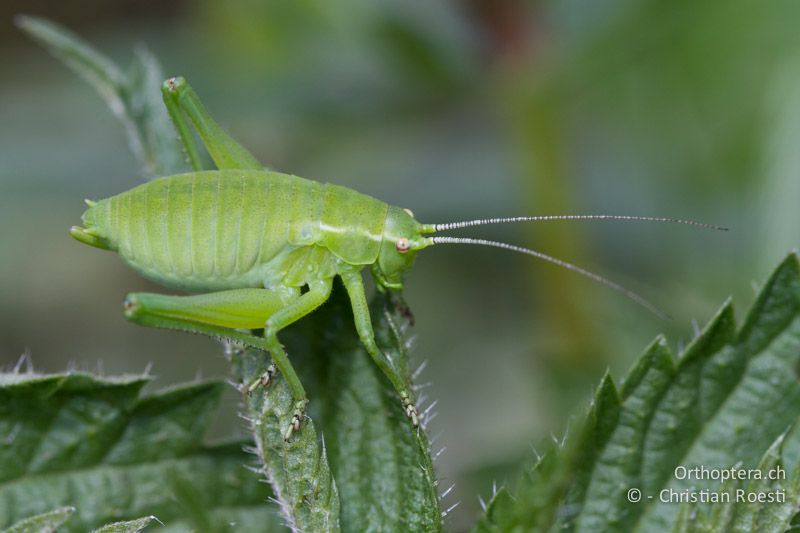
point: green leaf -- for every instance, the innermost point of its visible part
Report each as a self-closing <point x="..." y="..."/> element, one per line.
<point x="382" y="467"/>
<point x="298" y="468"/>
<point x="741" y="510"/>
<point x="42" y="523"/>
<point x="130" y="526"/>
<point x="133" y="96"/>
<point x="50" y="522"/>
<point x="764" y="516"/>
<point x="97" y="445"/>
<point x="726" y="400"/>
<point x="497" y="513"/>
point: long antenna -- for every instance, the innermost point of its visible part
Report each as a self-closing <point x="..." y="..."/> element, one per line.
<point x="569" y="266"/>
<point x="503" y="220"/>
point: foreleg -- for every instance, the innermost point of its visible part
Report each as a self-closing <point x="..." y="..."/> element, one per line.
<point x="354" y="284"/>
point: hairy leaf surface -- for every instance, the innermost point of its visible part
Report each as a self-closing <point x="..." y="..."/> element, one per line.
<point x="738" y="514"/>
<point x="382" y="468"/>
<point x="298" y="468"/>
<point x="50" y="522"/>
<point x="97" y="445"/>
<point x="726" y="399"/>
<point x="42" y="523"/>
<point x="129" y="526"/>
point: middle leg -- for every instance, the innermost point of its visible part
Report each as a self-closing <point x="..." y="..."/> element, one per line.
<point x="318" y="293"/>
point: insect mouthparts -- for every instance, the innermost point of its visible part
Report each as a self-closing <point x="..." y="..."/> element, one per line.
<point x="129" y="304"/>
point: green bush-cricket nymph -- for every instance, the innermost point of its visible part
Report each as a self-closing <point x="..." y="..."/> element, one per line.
<point x="250" y="240"/>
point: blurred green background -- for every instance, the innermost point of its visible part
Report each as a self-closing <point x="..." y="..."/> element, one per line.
<point x="456" y="110"/>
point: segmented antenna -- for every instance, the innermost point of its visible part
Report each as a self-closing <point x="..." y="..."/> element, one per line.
<point x="569" y="266"/>
<point x="503" y="220"/>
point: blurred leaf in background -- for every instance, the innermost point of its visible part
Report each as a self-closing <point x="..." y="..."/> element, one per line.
<point x="133" y="96"/>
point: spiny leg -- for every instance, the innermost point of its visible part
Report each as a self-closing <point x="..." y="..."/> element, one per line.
<point x="318" y="293"/>
<point x="354" y="284"/>
<point x="216" y="314"/>
<point x="264" y="380"/>
<point x="181" y="126"/>
<point x="182" y="102"/>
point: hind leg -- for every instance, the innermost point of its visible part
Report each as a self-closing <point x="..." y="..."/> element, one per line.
<point x="223" y="314"/>
<point x="182" y="103"/>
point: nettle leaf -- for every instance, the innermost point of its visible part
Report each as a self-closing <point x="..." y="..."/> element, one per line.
<point x="42" y="523"/>
<point x="382" y="467"/>
<point x="133" y="96"/>
<point x="97" y="445"/>
<point x="130" y="526"/>
<point x="50" y="522"/>
<point x="298" y="468"/>
<point x="498" y="513"/>
<point x="766" y="504"/>
<point x="723" y="403"/>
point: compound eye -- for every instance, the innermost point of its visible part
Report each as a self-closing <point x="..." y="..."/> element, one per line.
<point x="403" y="245"/>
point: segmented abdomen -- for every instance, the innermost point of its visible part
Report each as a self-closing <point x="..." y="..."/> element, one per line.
<point x="209" y="228"/>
